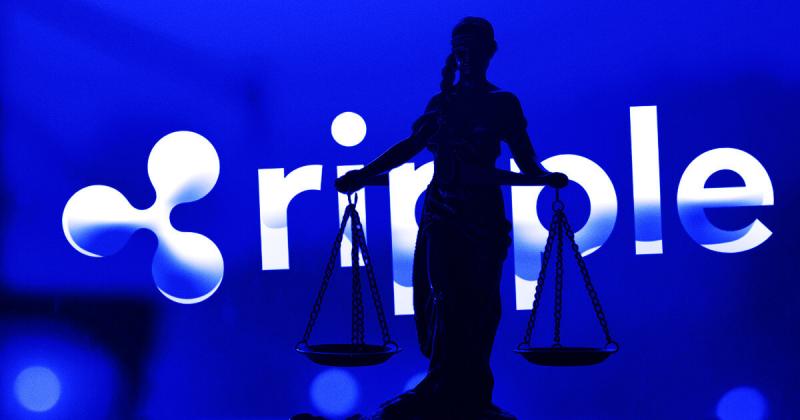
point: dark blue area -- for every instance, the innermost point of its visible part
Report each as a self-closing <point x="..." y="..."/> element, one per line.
<point x="87" y="88"/>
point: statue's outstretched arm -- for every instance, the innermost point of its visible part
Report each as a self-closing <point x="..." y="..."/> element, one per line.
<point x="395" y="156"/>
<point x="524" y="154"/>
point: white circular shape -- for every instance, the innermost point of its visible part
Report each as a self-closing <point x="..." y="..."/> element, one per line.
<point x="183" y="167"/>
<point x="348" y="129"/>
<point x="37" y="389"/>
<point x="98" y="221"/>
<point x="334" y="392"/>
<point x="187" y="266"/>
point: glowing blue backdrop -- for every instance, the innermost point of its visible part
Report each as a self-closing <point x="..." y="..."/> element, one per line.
<point x="87" y="89"/>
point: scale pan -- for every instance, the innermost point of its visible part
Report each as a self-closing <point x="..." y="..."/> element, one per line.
<point x="565" y="356"/>
<point x="348" y="355"/>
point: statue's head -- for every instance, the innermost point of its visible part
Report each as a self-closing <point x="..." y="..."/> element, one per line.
<point x="473" y="45"/>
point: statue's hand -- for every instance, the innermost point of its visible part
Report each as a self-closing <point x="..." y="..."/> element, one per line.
<point x="556" y="180"/>
<point x="350" y="182"/>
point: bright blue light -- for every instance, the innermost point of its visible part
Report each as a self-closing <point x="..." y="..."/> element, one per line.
<point x="742" y="403"/>
<point x="37" y="388"/>
<point x="415" y="380"/>
<point x="334" y="392"/>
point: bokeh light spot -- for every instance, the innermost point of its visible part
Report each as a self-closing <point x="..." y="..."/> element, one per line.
<point x="742" y="403"/>
<point x="348" y="129"/>
<point x="334" y="392"/>
<point x="37" y="388"/>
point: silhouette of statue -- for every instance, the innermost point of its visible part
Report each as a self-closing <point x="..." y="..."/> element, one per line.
<point x="463" y="234"/>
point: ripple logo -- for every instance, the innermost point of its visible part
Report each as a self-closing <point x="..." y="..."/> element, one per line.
<point x="183" y="167"/>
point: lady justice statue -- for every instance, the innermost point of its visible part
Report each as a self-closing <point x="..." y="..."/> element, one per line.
<point x="463" y="232"/>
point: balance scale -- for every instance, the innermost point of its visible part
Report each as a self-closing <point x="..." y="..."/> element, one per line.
<point x="359" y="353"/>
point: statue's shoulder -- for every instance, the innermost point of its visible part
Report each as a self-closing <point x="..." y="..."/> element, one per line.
<point x="502" y="94"/>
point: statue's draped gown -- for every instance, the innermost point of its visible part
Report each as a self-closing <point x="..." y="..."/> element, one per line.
<point x="462" y="242"/>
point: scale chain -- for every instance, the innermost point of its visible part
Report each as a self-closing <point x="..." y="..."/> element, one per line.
<point x="327" y="276"/>
<point x="373" y="285"/>
<point x="357" y="334"/>
<point x="540" y="282"/>
<point x="598" y="309"/>
<point x="559" y="279"/>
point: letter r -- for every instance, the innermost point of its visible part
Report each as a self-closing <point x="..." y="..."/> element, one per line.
<point x="275" y="192"/>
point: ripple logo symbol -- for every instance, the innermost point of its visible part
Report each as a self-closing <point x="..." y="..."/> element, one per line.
<point x="183" y="167"/>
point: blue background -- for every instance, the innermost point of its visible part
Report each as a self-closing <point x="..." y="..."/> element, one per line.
<point x="87" y="88"/>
